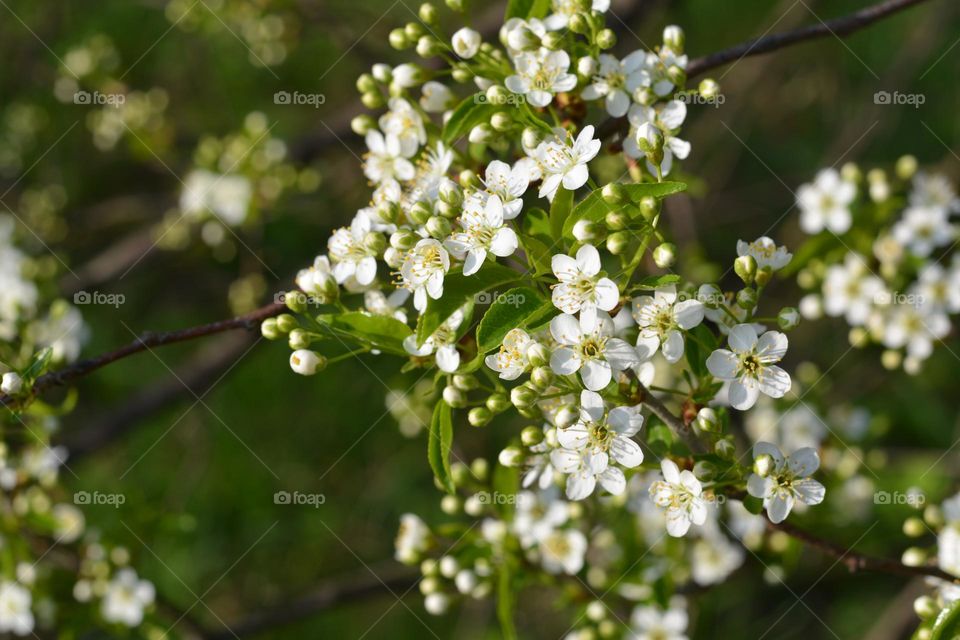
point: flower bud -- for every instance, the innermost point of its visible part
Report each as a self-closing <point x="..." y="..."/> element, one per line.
<point x="363" y="124"/>
<point x="531" y="436"/>
<point x="764" y="465"/>
<point x="455" y="5"/>
<point x="606" y="39"/>
<point x="479" y="416"/>
<point x="501" y="121"/>
<point x="673" y="38"/>
<point x="382" y="72"/>
<point x="906" y="167"/>
<point x="374" y="242"/>
<point x="366" y="83"/>
<point x="450" y="505"/>
<point x="613" y="193"/>
<point x="462" y="74"/>
<point x="470" y="180"/>
<point x="295" y="301"/>
<point x="553" y="40"/>
<point x="450" y="192"/>
<point x="413" y="30"/>
<point x="677" y="75"/>
<point x="481" y="134"/>
<point x="541" y="377"/>
<point x="498" y="403"/>
<point x="420" y="212"/>
<point x="286" y="322"/>
<point x="459" y="473"/>
<point x="428" y="13"/>
<point x="523" y="396"/>
<point x="372" y="100"/>
<point x="531" y="137"/>
<point x="649" y="207"/>
<point x="707" y="420"/>
<point x="428" y="47"/>
<point x="306" y="362"/>
<point x="710" y="295"/>
<point x="665" y="255"/>
<point x="466" y="42"/>
<point x="430" y="585"/>
<point x="587" y="231"/>
<point x="587" y="67"/>
<point x="438" y="227"/>
<point x="299" y="339"/>
<point x="510" y="457"/>
<point x="746" y="268"/>
<point x="709" y="89"/>
<point x="538" y="354"/>
<point x="465" y="581"/>
<point x="497" y="94"/>
<point x="579" y="23"/>
<point x="465" y="381"/>
<point x="725" y="448"/>
<point x="616" y="220"/>
<point x="11" y="383"/>
<point x="403" y="239"/>
<point x="924" y="606"/>
<point x="436" y="604"/>
<point x="618" y="242"/>
<point x="269" y="330"/>
<point x="398" y="40"/>
<point x="454" y="397"/>
<point x="747" y="298"/>
<point x="913" y="527"/>
<point x="763" y="276"/>
<point x="788" y="318"/>
<point x="479" y="468"/>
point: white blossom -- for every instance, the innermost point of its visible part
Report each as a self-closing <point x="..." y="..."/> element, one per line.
<point x="923" y="229"/>
<point x="851" y="290"/>
<point x="15" y="614"/>
<point x="350" y="255"/>
<point x="540" y="75"/>
<point x="825" y="204"/>
<point x="126" y="598"/>
<point x="387" y="159"/>
<point x="511" y="361"/>
<point x="423" y="270"/>
<point x="613" y="80"/>
<point x="466" y="43"/>
<point x="589" y="349"/>
<point x="563" y="10"/>
<point x="787" y="482"/>
<point x="750" y="365"/>
<point x="680" y="494"/>
<point x="565" y="164"/>
<point x="581" y="288"/>
<point x="483" y="231"/>
<point x="442" y="342"/>
<point x="509" y="184"/>
<point x="766" y="252"/>
<point x="662" y="319"/>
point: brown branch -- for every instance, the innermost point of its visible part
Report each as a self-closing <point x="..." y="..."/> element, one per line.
<point x="857" y="561"/>
<point x="837" y="27"/>
<point x="146" y="341"/>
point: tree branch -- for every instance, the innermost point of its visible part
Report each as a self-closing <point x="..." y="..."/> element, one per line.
<point x="836" y="27"/>
<point x="857" y="561"/>
<point x="147" y="341"/>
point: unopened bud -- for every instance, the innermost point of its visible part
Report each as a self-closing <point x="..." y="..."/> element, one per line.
<point x="531" y="436"/>
<point x="618" y="242"/>
<point x="747" y="298"/>
<point x="306" y="362"/>
<point x="510" y="457"/>
<point x="707" y="420"/>
<point x="788" y="318"/>
<point x="479" y="416"/>
<point x="746" y="268"/>
<point x="498" y="403"/>
<point x="673" y="38"/>
<point x="665" y="255"/>
<point x="606" y="39"/>
<point x="454" y="397"/>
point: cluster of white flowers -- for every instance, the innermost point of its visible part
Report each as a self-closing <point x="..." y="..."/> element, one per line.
<point x="898" y="282"/>
<point x="487" y="251"/>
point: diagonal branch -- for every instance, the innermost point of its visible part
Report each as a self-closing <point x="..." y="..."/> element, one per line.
<point x="146" y="341"/>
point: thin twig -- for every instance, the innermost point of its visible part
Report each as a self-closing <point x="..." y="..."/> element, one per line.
<point x="147" y="341"/>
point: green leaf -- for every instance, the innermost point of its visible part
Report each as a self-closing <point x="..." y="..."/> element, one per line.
<point x="655" y="282"/>
<point x="382" y="332"/>
<point x="536" y="222"/>
<point x="38" y="364"/>
<point x="946" y="626"/>
<point x="512" y="309"/>
<point x="473" y="110"/>
<point x="459" y="290"/>
<point x="560" y="211"/>
<point x="505" y="599"/>
<point x="439" y="442"/>
<point x="697" y="348"/>
<point x="526" y="9"/>
<point x="594" y="208"/>
<point x="538" y="254"/>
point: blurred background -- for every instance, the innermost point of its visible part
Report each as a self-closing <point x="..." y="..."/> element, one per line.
<point x="200" y="436"/>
